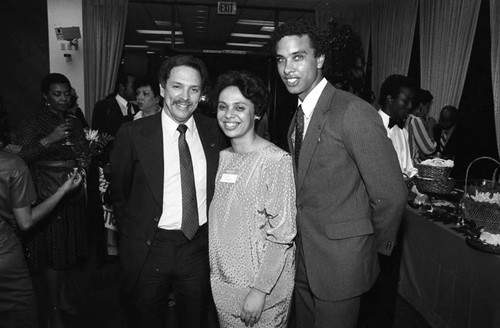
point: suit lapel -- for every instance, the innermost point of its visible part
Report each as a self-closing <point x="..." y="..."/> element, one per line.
<point x="290" y="143"/>
<point x="149" y="145"/>
<point x="313" y="133"/>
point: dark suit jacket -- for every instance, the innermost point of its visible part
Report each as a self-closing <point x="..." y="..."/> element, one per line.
<point x="137" y="184"/>
<point x="107" y="117"/>
<point x="350" y="195"/>
<point x="461" y="147"/>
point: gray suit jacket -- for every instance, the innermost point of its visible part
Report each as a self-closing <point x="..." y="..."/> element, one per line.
<point x="350" y="195"/>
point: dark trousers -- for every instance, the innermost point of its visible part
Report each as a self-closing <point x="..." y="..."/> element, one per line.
<point x="174" y="264"/>
<point x="379" y="303"/>
<point x="312" y="312"/>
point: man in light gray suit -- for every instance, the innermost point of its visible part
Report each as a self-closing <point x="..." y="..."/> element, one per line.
<point x="350" y="191"/>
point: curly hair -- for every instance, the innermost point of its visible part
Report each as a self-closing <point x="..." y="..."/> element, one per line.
<point x="53" y="78"/>
<point x="392" y="87"/>
<point x="319" y="38"/>
<point x="250" y="86"/>
<point x="151" y="81"/>
<point x="183" y="60"/>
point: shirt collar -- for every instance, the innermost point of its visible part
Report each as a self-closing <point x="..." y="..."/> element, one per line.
<point x="171" y="126"/>
<point x="312" y="98"/>
<point x="385" y="119"/>
<point x="122" y="101"/>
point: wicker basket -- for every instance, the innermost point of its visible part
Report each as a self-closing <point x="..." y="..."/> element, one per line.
<point x="484" y="215"/>
<point x="433" y="172"/>
<point x="442" y="187"/>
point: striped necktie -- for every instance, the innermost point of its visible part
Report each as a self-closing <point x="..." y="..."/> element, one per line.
<point x="444" y="139"/>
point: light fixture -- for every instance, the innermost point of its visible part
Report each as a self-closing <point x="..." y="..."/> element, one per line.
<point x="255" y="22"/>
<point x="136" y="46"/>
<point x="258" y="42"/>
<point x="166" y="23"/>
<point x="164" y="41"/>
<point x="249" y="35"/>
<point x="236" y="44"/>
<point x="267" y="29"/>
<point x="158" y="32"/>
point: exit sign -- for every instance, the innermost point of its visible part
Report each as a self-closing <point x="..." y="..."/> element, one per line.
<point x="226" y="8"/>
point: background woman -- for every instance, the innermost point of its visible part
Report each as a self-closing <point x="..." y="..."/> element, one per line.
<point x="58" y="242"/>
<point x="147" y="96"/>
<point x="252" y="215"/>
<point x="17" y="193"/>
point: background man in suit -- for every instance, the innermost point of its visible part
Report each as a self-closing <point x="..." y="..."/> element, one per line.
<point x="108" y="115"/>
<point x="162" y="207"/>
<point x="455" y="141"/>
<point x="350" y="191"/>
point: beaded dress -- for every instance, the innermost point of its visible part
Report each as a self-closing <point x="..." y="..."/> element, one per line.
<point x="251" y="232"/>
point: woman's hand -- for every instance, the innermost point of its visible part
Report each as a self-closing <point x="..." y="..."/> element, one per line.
<point x="60" y="132"/>
<point x="252" y="307"/>
<point x="74" y="180"/>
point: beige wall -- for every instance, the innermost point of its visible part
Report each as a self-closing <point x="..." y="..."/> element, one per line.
<point x="67" y="13"/>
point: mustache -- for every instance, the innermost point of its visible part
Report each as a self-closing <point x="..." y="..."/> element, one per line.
<point x="183" y="102"/>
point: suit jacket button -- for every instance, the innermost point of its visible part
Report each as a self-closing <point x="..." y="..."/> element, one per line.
<point x="156" y="219"/>
<point x="148" y="242"/>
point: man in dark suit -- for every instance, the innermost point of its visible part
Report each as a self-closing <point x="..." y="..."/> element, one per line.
<point x="454" y="141"/>
<point x="350" y="191"/>
<point x="116" y="109"/>
<point x="164" y="238"/>
<point x="108" y="115"/>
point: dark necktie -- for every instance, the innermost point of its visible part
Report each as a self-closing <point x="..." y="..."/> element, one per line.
<point x="130" y="112"/>
<point x="190" y="221"/>
<point x="299" y="133"/>
<point x="399" y="123"/>
<point x="443" y="140"/>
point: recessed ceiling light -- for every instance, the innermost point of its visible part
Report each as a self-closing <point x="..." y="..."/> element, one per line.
<point x="150" y="52"/>
<point x="254" y="22"/>
<point x="158" y="32"/>
<point x="267" y="29"/>
<point x="136" y="46"/>
<point x="164" y="41"/>
<point x="166" y="23"/>
<point x="249" y="35"/>
<point x="235" y="44"/>
<point x="258" y="42"/>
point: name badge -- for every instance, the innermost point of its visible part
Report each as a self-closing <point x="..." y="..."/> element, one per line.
<point x="229" y="178"/>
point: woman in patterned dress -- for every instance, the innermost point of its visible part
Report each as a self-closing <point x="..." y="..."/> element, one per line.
<point x="252" y="214"/>
<point x="57" y="243"/>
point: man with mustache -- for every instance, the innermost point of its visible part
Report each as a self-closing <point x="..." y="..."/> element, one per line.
<point x="350" y="190"/>
<point x="163" y="170"/>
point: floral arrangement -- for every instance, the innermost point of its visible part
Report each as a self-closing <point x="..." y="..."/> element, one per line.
<point x="486" y="197"/>
<point x="92" y="145"/>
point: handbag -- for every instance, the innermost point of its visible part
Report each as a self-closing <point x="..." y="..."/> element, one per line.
<point x="48" y="176"/>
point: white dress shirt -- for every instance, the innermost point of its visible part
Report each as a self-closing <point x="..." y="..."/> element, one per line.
<point x="122" y="102"/>
<point x="171" y="216"/>
<point x="399" y="138"/>
<point x="310" y="102"/>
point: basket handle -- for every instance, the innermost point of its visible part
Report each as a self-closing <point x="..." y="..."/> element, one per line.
<point x="478" y="159"/>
